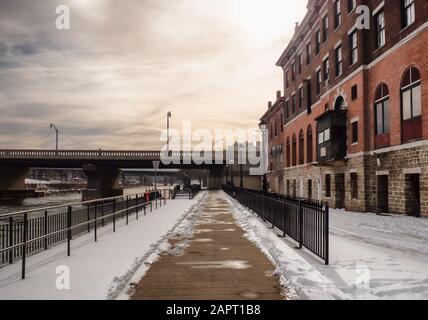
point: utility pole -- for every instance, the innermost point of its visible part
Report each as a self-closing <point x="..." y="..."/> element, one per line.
<point x="56" y="138"/>
<point x="168" y="116"/>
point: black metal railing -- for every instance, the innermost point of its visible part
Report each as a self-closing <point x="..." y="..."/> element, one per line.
<point x="305" y="221"/>
<point x="29" y="232"/>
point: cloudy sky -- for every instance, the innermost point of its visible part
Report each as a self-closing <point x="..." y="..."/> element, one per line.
<point x="109" y="81"/>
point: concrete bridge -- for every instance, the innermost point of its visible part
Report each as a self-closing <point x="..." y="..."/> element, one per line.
<point x="102" y="167"/>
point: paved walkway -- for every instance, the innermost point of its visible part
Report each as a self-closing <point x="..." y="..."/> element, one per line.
<point x="219" y="263"/>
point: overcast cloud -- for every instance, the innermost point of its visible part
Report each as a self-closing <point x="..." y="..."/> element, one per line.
<point x="124" y="64"/>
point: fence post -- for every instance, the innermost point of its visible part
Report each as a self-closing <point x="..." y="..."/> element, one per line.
<point x="11" y="239"/>
<point x="284" y="234"/>
<point x="151" y="206"/>
<point x="127" y="210"/>
<point x="95" y="222"/>
<point x="114" y="215"/>
<point x="102" y="214"/>
<point x="144" y="207"/>
<point x="326" y="234"/>
<point x="136" y="206"/>
<point x="45" y="240"/>
<point x="272" y="215"/>
<point x="89" y="218"/>
<point x="24" y="246"/>
<point x="69" y="210"/>
<point x="300" y="224"/>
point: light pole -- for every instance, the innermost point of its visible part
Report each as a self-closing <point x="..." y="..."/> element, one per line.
<point x="263" y="128"/>
<point x="168" y="116"/>
<point x="56" y="137"/>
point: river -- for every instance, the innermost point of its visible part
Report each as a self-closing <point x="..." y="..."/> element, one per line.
<point x="63" y="199"/>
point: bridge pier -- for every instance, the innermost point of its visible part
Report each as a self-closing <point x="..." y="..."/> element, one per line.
<point x="102" y="182"/>
<point x="216" y="178"/>
<point x="12" y="184"/>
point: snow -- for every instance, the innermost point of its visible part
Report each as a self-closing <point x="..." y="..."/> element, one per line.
<point x="371" y="257"/>
<point x="98" y="270"/>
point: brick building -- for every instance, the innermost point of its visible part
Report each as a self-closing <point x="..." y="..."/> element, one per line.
<point x="274" y="119"/>
<point x="355" y="107"/>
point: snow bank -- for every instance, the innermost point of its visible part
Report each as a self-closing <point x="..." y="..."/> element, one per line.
<point x="97" y="270"/>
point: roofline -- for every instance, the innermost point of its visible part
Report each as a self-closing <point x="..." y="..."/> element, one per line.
<point x="311" y="9"/>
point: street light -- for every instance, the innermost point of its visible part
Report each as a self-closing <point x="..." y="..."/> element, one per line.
<point x="56" y="132"/>
<point x="263" y="128"/>
<point x="168" y="116"/>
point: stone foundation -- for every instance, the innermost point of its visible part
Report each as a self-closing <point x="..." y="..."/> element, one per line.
<point x="389" y="181"/>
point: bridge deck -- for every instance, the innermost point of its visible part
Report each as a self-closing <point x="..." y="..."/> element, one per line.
<point x="218" y="264"/>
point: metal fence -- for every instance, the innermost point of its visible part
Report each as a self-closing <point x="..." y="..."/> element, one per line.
<point x="305" y="221"/>
<point x="29" y="232"/>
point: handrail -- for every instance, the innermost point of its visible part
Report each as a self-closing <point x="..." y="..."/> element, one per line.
<point x="19" y="213"/>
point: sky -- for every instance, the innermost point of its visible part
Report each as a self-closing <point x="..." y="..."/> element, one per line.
<point x="109" y="81"/>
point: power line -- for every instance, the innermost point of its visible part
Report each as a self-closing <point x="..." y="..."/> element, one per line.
<point x="36" y="141"/>
<point x="133" y="133"/>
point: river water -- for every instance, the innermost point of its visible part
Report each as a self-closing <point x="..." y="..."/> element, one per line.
<point x="35" y="203"/>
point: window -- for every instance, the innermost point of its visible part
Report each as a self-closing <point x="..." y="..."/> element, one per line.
<point x="408" y="12"/>
<point x="351" y="5"/>
<point x="286" y="79"/>
<point x="380" y="29"/>
<point x="324" y="136"/>
<point x="318" y="42"/>
<point x="299" y="69"/>
<point x="339" y="62"/>
<point x="411" y="93"/>
<point x="309" y="153"/>
<point x="354" y="185"/>
<point x="282" y="122"/>
<point x="354" y="92"/>
<point x="382" y="110"/>
<point x="326" y="69"/>
<point x="308" y="53"/>
<point x="288" y="152"/>
<point x="287" y="109"/>
<point x="319" y="80"/>
<point x="301" y="97"/>
<point x="411" y="107"/>
<point x="294" y="150"/>
<point x="328" y="185"/>
<point x="293" y="71"/>
<point x="301" y="147"/>
<point x="293" y="103"/>
<point x="337" y="14"/>
<point x="355" y="132"/>
<point x="353" y="44"/>
<point x="325" y="28"/>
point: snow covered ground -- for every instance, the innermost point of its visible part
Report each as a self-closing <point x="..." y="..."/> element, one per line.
<point x="97" y="270"/>
<point x="371" y="257"/>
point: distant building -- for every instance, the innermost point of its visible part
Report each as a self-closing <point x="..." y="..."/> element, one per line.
<point x="355" y="106"/>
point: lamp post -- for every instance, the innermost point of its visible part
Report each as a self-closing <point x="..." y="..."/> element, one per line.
<point x="56" y="136"/>
<point x="263" y="128"/>
<point x="168" y="116"/>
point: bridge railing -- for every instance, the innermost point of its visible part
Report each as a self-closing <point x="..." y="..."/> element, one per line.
<point x="305" y="221"/>
<point x="29" y="232"/>
<point x="16" y="153"/>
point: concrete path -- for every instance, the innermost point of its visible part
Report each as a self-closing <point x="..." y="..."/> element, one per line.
<point x="219" y="263"/>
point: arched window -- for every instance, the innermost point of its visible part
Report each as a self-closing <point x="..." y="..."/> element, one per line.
<point x="301" y="147"/>
<point x="411" y="105"/>
<point x="382" y="126"/>
<point x="340" y="104"/>
<point x="287" y="152"/>
<point x="309" y="142"/>
<point x="294" y="150"/>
